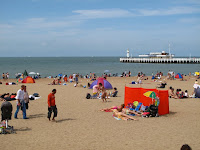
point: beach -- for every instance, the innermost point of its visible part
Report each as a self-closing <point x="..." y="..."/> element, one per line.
<point x="81" y="126"/>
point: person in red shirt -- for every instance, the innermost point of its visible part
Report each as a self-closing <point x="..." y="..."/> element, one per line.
<point x="52" y="105"/>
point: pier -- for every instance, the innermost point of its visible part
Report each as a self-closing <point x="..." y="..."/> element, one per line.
<point x="161" y="60"/>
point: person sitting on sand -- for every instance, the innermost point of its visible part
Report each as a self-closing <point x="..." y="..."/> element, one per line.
<point x="53" y="82"/>
<point x="185" y="94"/>
<point x="179" y="94"/>
<point x="114" y="93"/>
<point x="95" y="90"/>
<point x="70" y="78"/>
<point x="56" y="81"/>
<point x="65" y="78"/>
<point x="139" y="79"/>
<point x="171" y="92"/>
<point x="192" y="95"/>
<point x="162" y="85"/>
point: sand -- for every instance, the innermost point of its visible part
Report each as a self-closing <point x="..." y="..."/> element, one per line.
<point x="81" y="126"/>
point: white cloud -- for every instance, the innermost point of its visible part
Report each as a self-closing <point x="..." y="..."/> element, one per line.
<point x="44" y="23"/>
<point x="103" y="13"/>
<point x="121" y="13"/>
<point x="5" y="26"/>
<point x="33" y="20"/>
<point x="189" y="20"/>
<point x="193" y="1"/>
<point x="170" y="11"/>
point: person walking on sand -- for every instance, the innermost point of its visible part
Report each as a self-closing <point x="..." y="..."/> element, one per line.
<point x="20" y="102"/>
<point x="26" y="97"/>
<point x="52" y="105"/>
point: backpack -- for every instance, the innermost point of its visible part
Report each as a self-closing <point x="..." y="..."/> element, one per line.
<point x="153" y="110"/>
<point x="88" y="96"/>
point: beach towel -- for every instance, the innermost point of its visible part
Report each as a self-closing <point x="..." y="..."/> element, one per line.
<point x="31" y="97"/>
<point x="117" y="118"/>
<point x="108" y="110"/>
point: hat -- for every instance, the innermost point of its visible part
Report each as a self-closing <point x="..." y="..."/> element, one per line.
<point x="196" y="82"/>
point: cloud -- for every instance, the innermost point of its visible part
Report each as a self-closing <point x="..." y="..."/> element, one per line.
<point x="45" y="23"/>
<point x="103" y="13"/>
<point x="170" y="11"/>
<point x="121" y="13"/>
<point x="5" y="26"/>
<point x="193" y="1"/>
<point x="189" y="20"/>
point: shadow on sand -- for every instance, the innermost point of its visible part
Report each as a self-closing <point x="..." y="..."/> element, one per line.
<point x="171" y="113"/>
<point x="62" y="120"/>
<point x="23" y="129"/>
<point x="37" y="116"/>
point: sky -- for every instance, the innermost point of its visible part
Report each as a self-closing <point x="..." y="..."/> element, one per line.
<point x="48" y="28"/>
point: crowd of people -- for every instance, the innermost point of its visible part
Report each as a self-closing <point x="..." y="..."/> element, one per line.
<point x="5" y="75"/>
<point x="179" y="94"/>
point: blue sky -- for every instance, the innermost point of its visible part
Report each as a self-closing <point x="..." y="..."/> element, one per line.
<point x="98" y="27"/>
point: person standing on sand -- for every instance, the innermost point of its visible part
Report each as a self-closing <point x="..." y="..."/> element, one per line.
<point x="3" y="76"/>
<point x="52" y="105"/>
<point x="20" y="102"/>
<point x="26" y="97"/>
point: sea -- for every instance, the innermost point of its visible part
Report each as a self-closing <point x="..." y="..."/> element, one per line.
<point x="52" y="66"/>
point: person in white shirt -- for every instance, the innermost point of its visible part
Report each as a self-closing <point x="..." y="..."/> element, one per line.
<point x="196" y="85"/>
<point x="26" y="97"/>
<point x="74" y="76"/>
<point x="20" y="102"/>
<point x="185" y="94"/>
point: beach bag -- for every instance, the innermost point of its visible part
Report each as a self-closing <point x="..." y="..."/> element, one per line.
<point x="153" y="110"/>
<point x="88" y="96"/>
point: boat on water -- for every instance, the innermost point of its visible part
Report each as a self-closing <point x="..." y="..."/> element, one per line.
<point x="158" y="57"/>
<point x="162" y="54"/>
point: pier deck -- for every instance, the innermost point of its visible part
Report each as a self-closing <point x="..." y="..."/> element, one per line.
<point x="160" y="60"/>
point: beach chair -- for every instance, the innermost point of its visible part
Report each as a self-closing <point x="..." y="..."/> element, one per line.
<point x="6" y="113"/>
<point x="137" y="108"/>
<point x="94" y="96"/>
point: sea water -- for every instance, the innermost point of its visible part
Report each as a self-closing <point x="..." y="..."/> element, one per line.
<point x="47" y="66"/>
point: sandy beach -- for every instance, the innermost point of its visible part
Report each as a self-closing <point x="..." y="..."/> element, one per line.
<point x="81" y="126"/>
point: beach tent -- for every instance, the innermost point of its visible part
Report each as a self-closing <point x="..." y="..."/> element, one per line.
<point x="178" y="76"/>
<point x="104" y="82"/>
<point x="138" y="94"/>
<point x="28" y="80"/>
